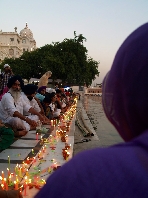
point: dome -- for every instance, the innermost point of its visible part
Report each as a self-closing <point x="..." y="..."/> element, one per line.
<point x="26" y="32"/>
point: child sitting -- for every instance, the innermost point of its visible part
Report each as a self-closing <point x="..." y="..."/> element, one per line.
<point x="47" y="109"/>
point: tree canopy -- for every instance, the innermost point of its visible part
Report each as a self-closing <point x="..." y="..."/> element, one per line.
<point x="68" y="60"/>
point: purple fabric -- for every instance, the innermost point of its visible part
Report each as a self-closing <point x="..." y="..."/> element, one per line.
<point x="41" y="88"/>
<point x="122" y="170"/>
<point x="115" y="172"/>
<point x="125" y="88"/>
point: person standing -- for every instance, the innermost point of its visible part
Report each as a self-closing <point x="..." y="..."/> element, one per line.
<point x="4" y="77"/>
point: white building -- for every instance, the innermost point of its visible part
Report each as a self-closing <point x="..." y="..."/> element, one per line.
<point x="93" y="91"/>
<point x="13" y="44"/>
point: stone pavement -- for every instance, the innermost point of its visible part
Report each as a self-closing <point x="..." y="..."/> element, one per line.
<point x="79" y="143"/>
<point x="105" y="133"/>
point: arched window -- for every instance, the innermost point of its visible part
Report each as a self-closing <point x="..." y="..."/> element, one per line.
<point x="24" y="41"/>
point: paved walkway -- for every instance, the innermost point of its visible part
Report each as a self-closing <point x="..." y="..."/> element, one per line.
<point x="98" y="122"/>
<point x="79" y="140"/>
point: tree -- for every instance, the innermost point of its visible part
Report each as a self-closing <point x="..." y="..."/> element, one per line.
<point x="68" y="61"/>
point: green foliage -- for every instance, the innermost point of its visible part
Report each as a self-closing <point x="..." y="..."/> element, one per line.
<point x="67" y="60"/>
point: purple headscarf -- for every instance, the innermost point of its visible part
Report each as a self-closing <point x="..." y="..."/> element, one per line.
<point x="121" y="170"/>
<point x="41" y="88"/>
<point x="125" y="87"/>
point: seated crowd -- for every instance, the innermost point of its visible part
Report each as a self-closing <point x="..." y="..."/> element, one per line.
<point x="23" y="105"/>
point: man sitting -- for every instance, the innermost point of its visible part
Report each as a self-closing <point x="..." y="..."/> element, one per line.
<point x="28" y="93"/>
<point x="12" y="106"/>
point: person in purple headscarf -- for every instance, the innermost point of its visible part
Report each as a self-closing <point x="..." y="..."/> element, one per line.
<point x="121" y="170"/>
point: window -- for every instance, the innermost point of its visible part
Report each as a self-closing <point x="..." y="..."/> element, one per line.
<point x="11" y="39"/>
<point x="24" y="50"/>
<point x="11" y="52"/>
<point x="24" y="41"/>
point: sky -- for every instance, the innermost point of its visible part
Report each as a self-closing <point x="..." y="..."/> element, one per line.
<point x="104" y="23"/>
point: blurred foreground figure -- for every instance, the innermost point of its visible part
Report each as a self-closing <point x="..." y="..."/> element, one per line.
<point x="121" y="170"/>
<point x="10" y="194"/>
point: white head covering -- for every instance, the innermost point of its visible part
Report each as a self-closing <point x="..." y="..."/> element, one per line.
<point x="6" y="65"/>
<point x="50" y="90"/>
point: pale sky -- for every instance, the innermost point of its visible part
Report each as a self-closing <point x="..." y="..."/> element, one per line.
<point x="104" y="23"/>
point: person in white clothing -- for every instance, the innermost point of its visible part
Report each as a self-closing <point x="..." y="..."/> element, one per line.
<point x="12" y="106"/>
<point x="55" y="111"/>
<point x="28" y="93"/>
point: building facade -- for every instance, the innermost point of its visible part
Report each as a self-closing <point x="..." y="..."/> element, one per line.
<point x="14" y="44"/>
<point x="97" y="91"/>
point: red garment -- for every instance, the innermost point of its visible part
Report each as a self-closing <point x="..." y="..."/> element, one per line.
<point x="67" y="93"/>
